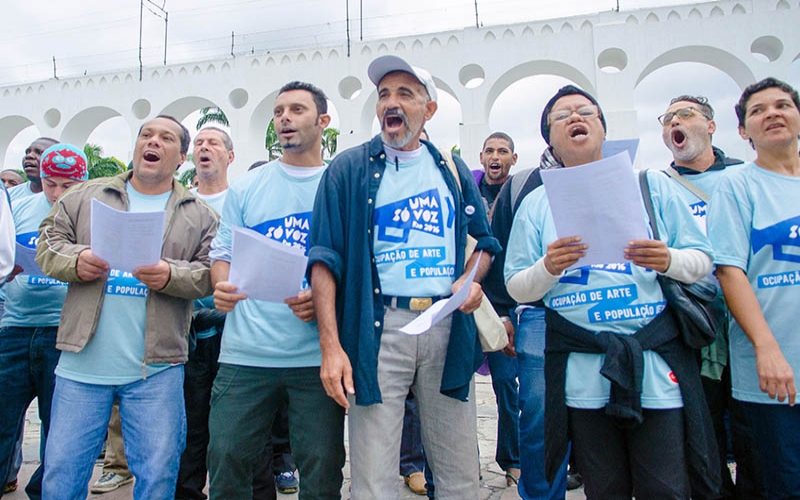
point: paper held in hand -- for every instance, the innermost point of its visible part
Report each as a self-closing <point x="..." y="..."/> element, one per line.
<point x="442" y="308"/>
<point x="265" y="269"/>
<point x="126" y="240"/>
<point x="24" y="258"/>
<point x="601" y="203"/>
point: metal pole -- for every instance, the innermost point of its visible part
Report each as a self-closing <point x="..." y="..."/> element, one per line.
<point x="166" y="22"/>
<point x="347" y="15"/>
<point x="477" y="23"/>
<point x="55" y="76"/>
<point x="232" y="54"/>
<point x="361" y="20"/>
<point x="141" y="10"/>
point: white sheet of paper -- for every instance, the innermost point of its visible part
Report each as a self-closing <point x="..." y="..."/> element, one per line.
<point x="612" y="147"/>
<point x="441" y="309"/>
<point x="265" y="269"/>
<point x="25" y="259"/>
<point x="126" y="240"/>
<point x="601" y="203"/>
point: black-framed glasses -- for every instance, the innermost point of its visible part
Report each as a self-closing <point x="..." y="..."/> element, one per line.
<point x="682" y="113"/>
<point x="588" y="111"/>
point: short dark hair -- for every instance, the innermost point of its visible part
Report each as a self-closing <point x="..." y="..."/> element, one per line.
<point x="701" y="101"/>
<point x="186" y="137"/>
<point x="766" y="83"/>
<point x="257" y="164"/>
<point x="499" y="135"/>
<point x="320" y="99"/>
<point x="226" y="138"/>
<point x="47" y="139"/>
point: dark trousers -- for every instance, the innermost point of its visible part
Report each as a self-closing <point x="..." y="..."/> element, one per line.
<point x="201" y="370"/>
<point x="28" y="358"/>
<point x="616" y="463"/>
<point x="749" y="485"/>
<point x="411" y="457"/>
<point x="244" y="403"/>
<point x="776" y="428"/>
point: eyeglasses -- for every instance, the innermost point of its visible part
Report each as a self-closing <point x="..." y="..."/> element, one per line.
<point x="682" y="113"/>
<point x="587" y="111"/>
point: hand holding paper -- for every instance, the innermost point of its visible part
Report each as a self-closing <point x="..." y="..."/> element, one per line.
<point x="265" y="269"/>
<point x="601" y="203"/>
<point x="442" y="308"/>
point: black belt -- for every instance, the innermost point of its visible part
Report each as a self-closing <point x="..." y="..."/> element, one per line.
<point x="411" y="303"/>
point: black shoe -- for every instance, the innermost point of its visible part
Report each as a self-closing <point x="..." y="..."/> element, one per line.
<point x="574" y="480"/>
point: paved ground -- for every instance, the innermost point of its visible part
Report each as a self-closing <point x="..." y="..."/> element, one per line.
<point x="493" y="486"/>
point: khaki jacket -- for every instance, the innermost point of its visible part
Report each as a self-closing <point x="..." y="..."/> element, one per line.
<point x="66" y="231"/>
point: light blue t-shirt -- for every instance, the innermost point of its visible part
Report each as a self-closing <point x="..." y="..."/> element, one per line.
<point x="217" y="202"/>
<point x="32" y="300"/>
<point x="414" y="235"/>
<point x="707" y="181"/>
<point x="617" y="297"/>
<point x="754" y="224"/>
<point x="275" y="200"/>
<point x="115" y="355"/>
<point x="19" y="192"/>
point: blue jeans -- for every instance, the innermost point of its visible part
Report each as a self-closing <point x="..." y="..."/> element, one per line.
<point x="776" y="428"/>
<point x="153" y="427"/>
<point x="506" y="391"/>
<point x="411" y="458"/>
<point x="28" y="357"/>
<point x="529" y="343"/>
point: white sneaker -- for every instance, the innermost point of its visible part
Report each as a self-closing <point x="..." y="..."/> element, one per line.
<point x="110" y="481"/>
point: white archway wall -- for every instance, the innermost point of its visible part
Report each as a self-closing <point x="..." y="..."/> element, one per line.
<point x="632" y="43"/>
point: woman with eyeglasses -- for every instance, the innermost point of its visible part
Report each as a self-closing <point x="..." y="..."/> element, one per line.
<point x="620" y="382"/>
<point x="754" y="225"/>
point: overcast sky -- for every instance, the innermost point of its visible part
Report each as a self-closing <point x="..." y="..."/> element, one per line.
<point x="98" y="35"/>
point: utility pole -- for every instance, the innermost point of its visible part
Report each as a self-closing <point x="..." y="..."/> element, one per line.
<point x="55" y="76"/>
<point x="477" y="23"/>
<point x="232" y="54"/>
<point x="163" y="15"/>
<point x="347" y="16"/>
<point x="141" y="8"/>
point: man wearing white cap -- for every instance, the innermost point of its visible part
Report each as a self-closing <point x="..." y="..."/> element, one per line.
<point x="387" y="240"/>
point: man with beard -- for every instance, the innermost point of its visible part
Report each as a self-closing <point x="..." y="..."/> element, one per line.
<point x="497" y="157"/>
<point x="688" y="126"/>
<point x="30" y="164"/>
<point x="212" y="153"/>
<point x="122" y="335"/>
<point x="270" y="353"/>
<point x="387" y="241"/>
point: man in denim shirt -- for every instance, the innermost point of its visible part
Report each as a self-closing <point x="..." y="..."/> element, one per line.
<point x="387" y="240"/>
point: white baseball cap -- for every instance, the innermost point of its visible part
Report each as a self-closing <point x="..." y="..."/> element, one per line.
<point x="384" y="65"/>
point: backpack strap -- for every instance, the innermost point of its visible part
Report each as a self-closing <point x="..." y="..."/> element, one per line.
<point x="683" y="181"/>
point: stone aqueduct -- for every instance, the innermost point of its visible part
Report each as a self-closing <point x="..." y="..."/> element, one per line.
<point x="607" y="53"/>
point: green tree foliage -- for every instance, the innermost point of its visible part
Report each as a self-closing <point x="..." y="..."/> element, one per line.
<point x="271" y="142"/>
<point x="100" y="166"/>
<point x="212" y="114"/>
<point x="187" y="177"/>
<point x="330" y="141"/>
